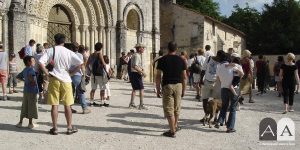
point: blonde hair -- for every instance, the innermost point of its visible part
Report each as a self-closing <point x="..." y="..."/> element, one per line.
<point x="290" y="57"/>
<point x="246" y="53"/>
<point x="200" y="51"/>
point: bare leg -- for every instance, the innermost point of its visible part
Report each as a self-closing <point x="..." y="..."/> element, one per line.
<point x="4" y="89"/>
<point x="30" y="121"/>
<point x="68" y="115"/>
<point x="132" y="97"/>
<point x="54" y="116"/>
<point x="142" y="97"/>
<point x="92" y="94"/>
<point x="171" y="121"/>
<point x="176" y="121"/>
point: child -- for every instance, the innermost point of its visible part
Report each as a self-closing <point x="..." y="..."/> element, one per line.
<point x="29" y="106"/>
<point x="107" y="91"/>
<point x="12" y="80"/>
<point x="3" y="71"/>
<point x="237" y="74"/>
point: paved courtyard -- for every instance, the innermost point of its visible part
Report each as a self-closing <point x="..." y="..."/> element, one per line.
<point x="118" y="127"/>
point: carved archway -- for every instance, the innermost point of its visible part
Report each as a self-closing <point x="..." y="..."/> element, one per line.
<point x="59" y="21"/>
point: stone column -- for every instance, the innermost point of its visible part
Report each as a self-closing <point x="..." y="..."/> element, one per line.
<point x="16" y="26"/>
<point x="87" y="37"/>
<point x="76" y="33"/>
<point x="100" y="35"/>
<point x="108" y="41"/>
<point x="92" y="37"/>
<point x="120" y="10"/>
<point x="83" y="29"/>
<point x="104" y="41"/>
<point x="121" y="35"/>
<point x="113" y="53"/>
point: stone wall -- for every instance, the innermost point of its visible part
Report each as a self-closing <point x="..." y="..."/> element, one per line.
<point x="192" y="30"/>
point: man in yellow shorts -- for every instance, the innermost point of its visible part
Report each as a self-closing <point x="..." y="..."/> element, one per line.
<point x="60" y="84"/>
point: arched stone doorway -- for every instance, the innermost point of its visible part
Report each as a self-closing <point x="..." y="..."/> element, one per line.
<point x="133" y="26"/>
<point x="59" y="22"/>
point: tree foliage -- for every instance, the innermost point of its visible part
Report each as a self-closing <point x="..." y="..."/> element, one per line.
<point x="246" y="20"/>
<point x="206" y="7"/>
<point x="275" y="31"/>
<point x="280" y="27"/>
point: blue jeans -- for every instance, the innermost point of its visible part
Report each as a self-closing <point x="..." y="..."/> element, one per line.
<point x="228" y="97"/>
<point x="76" y="80"/>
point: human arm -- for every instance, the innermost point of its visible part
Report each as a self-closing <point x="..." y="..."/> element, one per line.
<point x="158" y="83"/>
<point x="184" y="78"/>
<point x="100" y="55"/>
<point x="281" y="74"/>
<point x="297" y="76"/>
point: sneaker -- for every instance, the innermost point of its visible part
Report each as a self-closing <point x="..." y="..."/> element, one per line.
<point x="291" y="110"/>
<point x="131" y="105"/>
<point x="31" y="126"/>
<point x="15" y="91"/>
<point x="143" y="107"/>
<point x="19" y="125"/>
<point x="5" y="98"/>
<point x="86" y="111"/>
<point x="10" y="92"/>
<point x="198" y="97"/>
<point x="74" y="111"/>
<point x="285" y="112"/>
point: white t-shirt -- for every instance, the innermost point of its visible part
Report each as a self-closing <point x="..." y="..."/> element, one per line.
<point x="63" y="60"/>
<point x="236" y="68"/>
<point x="190" y="62"/>
<point x="210" y="67"/>
<point x="201" y="60"/>
<point x="37" y="57"/>
<point x="208" y="54"/>
<point x="225" y="74"/>
<point x="136" y="60"/>
<point x="78" y="73"/>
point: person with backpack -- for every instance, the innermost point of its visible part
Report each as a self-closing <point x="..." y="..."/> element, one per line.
<point x="130" y="54"/>
<point x="154" y="64"/>
<point x="96" y="71"/>
<point x="196" y="69"/>
<point x="276" y="71"/>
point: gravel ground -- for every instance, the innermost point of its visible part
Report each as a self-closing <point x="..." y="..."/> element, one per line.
<point x="118" y="127"/>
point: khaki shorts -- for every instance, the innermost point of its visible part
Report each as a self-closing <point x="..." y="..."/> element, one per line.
<point x="60" y="91"/>
<point x="99" y="80"/>
<point x="196" y="77"/>
<point x="211" y="90"/>
<point x="172" y="99"/>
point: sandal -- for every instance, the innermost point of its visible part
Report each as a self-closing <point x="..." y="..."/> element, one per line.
<point x="169" y="134"/>
<point x="72" y="130"/>
<point x="53" y="131"/>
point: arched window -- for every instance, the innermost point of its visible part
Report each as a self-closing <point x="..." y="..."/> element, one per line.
<point x="133" y="21"/>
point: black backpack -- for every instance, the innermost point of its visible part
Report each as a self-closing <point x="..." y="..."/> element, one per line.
<point x="196" y="67"/>
<point x="97" y="68"/>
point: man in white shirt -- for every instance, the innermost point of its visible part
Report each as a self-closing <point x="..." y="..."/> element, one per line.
<point x="200" y="59"/>
<point x="60" y="83"/>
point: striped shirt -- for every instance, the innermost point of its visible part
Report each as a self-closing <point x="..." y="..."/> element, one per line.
<point x="13" y="67"/>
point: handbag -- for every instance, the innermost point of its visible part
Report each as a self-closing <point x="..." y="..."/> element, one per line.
<point x="50" y="65"/>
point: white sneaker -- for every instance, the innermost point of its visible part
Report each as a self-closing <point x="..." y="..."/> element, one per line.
<point x="31" y="126"/>
<point x="19" y="125"/>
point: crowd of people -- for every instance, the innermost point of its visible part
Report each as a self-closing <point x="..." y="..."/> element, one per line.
<point x="59" y="75"/>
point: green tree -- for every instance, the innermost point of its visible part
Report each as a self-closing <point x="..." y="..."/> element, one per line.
<point x="248" y="21"/>
<point x="206" y="7"/>
<point x="280" y="27"/>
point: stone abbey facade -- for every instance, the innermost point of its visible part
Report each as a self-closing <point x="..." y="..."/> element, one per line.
<point x="118" y="24"/>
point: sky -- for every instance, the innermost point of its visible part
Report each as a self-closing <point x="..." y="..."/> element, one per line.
<point x="226" y="6"/>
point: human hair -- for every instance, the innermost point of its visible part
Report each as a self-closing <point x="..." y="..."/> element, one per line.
<point x="81" y="49"/>
<point x="39" y="49"/>
<point x="46" y="44"/>
<point x="132" y="51"/>
<point x="221" y="55"/>
<point x="160" y="53"/>
<point x="98" y="46"/>
<point x="59" y="38"/>
<point x="27" y="59"/>
<point x="246" y="53"/>
<point x="200" y="51"/>
<point x="291" y="57"/>
<point x="106" y="59"/>
<point x="280" y="59"/>
<point x="12" y="55"/>
<point x="260" y="57"/>
<point x="192" y="55"/>
<point x="236" y="60"/>
<point x="172" y="46"/>
<point x="32" y="41"/>
<point x="207" y="47"/>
